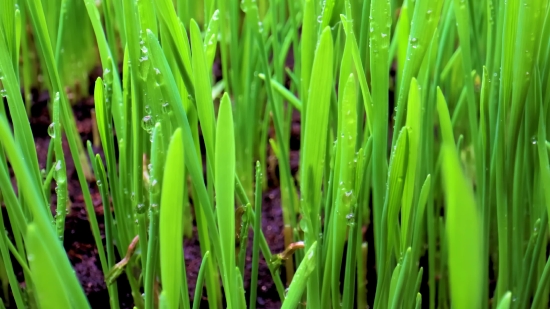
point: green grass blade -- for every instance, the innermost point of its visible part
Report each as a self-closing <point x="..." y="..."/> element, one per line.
<point x="203" y="92"/>
<point x="225" y="195"/>
<point x="256" y="240"/>
<point x="389" y="224"/>
<point x="171" y="218"/>
<point x="60" y="173"/>
<point x="314" y="149"/>
<point x="414" y="120"/>
<point x="200" y="281"/>
<point x="380" y="30"/>
<point x="51" y="288"/>
<point x="463" y="232"/>
<point x="504" y="302"/>
<point x="346" y="182"/>
<point x="298" y="284"/>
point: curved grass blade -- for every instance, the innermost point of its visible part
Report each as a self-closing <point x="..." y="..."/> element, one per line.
<point x="285" y="93"/>
<point x="200" y="281"/>
<point x="60" y="173"/>
<point x="298" y="284"/>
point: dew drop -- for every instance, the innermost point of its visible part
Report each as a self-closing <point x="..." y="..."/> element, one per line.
<point x="147" y="123"/>
<point x="58" y="165"/>
<point x="154" y="186"/>
<point x="51" y="131"/>
<point x="140" y="208"/>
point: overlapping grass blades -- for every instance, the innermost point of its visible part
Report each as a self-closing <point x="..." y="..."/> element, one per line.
<point x="453" y="180"/>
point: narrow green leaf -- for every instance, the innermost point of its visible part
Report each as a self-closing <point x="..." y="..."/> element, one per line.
<point x="298" y="284"/>
<point x="414" y="121"/>
<point x="171" y="218"/>
<point x="505" y="301"/>
<point x="463" y="227"/>
<point x="225" y="195"/>
<point x="203" y="91"/>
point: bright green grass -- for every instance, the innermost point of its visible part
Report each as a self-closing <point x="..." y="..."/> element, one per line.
<point x="456" y="176"/>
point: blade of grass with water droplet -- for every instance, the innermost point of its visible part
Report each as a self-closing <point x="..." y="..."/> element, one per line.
<point x="345" y="195"/>
<point x="156" y="181"/>
<point x="380" y="23"/>
<point x="299" y="282"/>
<point x="211" y="39"/>
<point x="146" y="13"/>
<point x="359" y="69"/>
<point x="60" y="173"/>
<point x="424" y="21"/>
<point x="389" y="218"/>
<point x="414" y="120"/>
